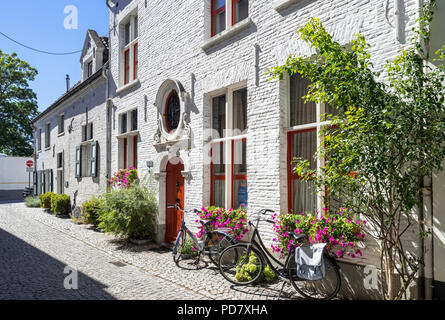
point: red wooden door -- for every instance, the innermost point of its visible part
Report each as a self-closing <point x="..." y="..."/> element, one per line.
<point x="175" y="194"/>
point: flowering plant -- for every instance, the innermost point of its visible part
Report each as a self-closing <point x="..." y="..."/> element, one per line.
<point x="340" y="232"/>
<point x="234" y="220"/>
<point x="124" y="178"/>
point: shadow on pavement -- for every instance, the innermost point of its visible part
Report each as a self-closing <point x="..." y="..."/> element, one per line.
<point x="29" y="273"/>
<point x="11" y="196"/>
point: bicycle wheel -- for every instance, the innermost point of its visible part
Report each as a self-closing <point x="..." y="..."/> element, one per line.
<point x="185" y="248"/>
<point x="240" y="264"/>
<point x="215" y="243"/>
<point x="323" y="289"/>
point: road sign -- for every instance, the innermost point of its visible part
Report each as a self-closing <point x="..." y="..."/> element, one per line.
<point x="29" y="163"/>
<point x="30" y="169"/>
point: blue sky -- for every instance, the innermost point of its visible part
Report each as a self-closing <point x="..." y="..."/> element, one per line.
<point x="40" y="24"/>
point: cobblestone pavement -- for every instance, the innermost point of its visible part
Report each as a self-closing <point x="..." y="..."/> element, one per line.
<point x="35" y="248"/>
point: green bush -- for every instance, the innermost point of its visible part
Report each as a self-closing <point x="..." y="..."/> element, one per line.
<point x="129" y="213"/>
<point x="45" y="200"/>
<point x="32" y="202"/>
<point x="60" y="203"/>
<point x="91" y="210"/>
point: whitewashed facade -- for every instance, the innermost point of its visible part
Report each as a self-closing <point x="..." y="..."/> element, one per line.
<point x="187" y="77"/>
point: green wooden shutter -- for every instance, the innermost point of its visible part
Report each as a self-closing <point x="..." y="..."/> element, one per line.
<point x="93" y="159"/>
<point x="34" y="183"/>
<point x="42" y="182"/>
<point x="78" y="167"/>
<point x="50" y="180"/>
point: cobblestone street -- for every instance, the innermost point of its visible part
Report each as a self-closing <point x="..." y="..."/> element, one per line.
<point x="36" y="247"/>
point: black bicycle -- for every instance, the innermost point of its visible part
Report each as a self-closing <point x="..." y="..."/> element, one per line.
<point x="244" y="263"/>
<point x="188" y="248"/>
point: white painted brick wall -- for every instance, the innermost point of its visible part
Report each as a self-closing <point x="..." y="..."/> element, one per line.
<point x="170" y="39"/>
<point x="92" y="98"/>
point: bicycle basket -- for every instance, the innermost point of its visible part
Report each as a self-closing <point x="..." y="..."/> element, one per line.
<point x="310" y="262"/>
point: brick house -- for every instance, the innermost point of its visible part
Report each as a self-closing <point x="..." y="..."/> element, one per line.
<point x="188" y="99"/>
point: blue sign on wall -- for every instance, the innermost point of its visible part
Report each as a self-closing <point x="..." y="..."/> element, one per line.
<point x="242" y="196"/>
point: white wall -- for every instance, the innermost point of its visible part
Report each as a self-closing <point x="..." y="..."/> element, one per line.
<point x="13" y="175"/>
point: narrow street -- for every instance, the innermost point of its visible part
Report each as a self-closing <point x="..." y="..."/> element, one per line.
<point x="36" y="247"/>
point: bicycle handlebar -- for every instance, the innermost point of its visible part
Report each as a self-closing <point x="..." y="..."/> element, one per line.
<point x="176" y="205"/>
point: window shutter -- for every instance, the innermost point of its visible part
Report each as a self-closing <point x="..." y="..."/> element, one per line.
<point x="78" y="169"/>
<point x="50" y="180"/>
<point x="42" y="182"/>
<point x="93" y="159"/>
<point x="34" y="185"/>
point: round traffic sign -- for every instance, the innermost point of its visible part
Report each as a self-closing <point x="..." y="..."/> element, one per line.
<point x="29" y="163"/>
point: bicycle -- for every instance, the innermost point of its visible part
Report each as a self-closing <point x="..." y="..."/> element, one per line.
<point x="188" y="247"/>
<point x="253" y="255"/>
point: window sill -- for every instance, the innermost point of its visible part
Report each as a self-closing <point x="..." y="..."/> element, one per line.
<point x="128" y="134"/>
<point x="127" y="86"/>
<point x="280" y="5"/>
<point x="47" y="148"/>
<point x="226" y="34"/>
<point x="61" y="134"/>
<point x="87" y="142"/>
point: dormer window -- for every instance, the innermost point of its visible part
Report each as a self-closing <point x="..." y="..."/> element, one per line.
<point x="90" y="69"/>
<point x="129" y="53"/>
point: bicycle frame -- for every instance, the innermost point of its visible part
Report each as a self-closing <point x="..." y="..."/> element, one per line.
<point x="184" y="228"/>
<point x="258" y="244"/>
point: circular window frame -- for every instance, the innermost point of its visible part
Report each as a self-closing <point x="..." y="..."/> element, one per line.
<point x="166" y="111"/>
<point x="162" y="97"/>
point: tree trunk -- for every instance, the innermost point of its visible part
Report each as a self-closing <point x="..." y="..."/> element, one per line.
<point x="389" y="268"/>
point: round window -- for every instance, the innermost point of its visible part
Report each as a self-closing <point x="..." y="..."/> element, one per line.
<point x="173" y="111"/>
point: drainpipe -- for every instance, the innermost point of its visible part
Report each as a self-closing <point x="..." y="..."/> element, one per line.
<point x="427" y="272"/>
<point x="397" y="19"/>
<point x="105" y="74"/>
<point x="427" y="213"/>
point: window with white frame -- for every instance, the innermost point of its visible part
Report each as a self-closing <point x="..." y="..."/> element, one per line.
<point x="226" y="13"/>
<point x="90" y="68"/>
<point x="129" y="51"/>
<point x="128" y="139"/>
<point x="39" y="139"/>
<point x="128" y="121"/>
<point x="61" y="125"/>
<point x="47" y="135"/>
<point x="86" y="160"/>
<point x="305" y="122"/>
<point x="228" y="168"/>
<point x="87" y="132"/>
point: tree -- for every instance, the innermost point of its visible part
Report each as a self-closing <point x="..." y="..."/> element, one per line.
<point x="387" y="136"/>
<point x="18" y="105"/>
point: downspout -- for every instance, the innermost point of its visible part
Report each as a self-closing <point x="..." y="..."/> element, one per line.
<point x="105" y="74"/>
<point x="427" y="270"/>
<point x="397" y="18"/>
<point x="427" y="242"/>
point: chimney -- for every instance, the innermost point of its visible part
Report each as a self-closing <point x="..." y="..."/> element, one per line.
<point x="67" y="82"/>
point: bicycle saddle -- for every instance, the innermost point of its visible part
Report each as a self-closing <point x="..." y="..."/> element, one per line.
<point x="298" y="237"/>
